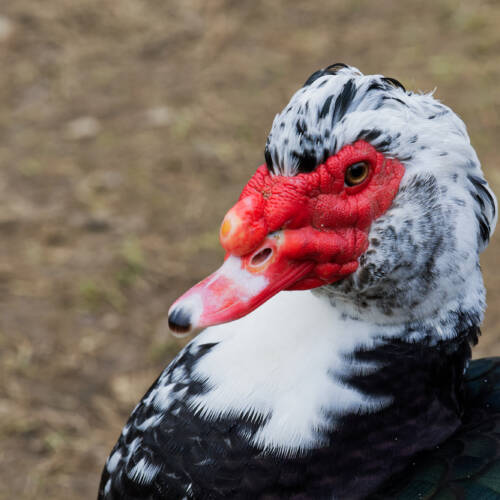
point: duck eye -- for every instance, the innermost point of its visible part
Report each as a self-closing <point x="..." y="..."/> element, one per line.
<point x="356" y="173"/>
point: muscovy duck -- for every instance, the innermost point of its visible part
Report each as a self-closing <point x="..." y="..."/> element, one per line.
<point x="354" y="381"/>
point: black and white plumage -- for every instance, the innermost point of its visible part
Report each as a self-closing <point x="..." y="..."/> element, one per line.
<point x="332" y="392"/>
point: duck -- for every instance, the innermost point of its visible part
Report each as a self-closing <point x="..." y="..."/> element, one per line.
<point x="332" y="348"/>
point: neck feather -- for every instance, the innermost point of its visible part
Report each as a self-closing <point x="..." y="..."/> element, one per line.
<point x="303" y="368"/>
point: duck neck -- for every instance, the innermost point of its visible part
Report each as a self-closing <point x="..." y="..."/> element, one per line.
<point x="311" y="380"/>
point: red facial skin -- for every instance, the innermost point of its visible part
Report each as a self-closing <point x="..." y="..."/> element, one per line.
<point x="322" y="219"/>
<point x="312" y="225"/>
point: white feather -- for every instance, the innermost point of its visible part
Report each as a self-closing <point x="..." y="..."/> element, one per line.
<point x="282" y="360"/>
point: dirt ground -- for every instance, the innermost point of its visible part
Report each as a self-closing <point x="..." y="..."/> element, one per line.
<point x="127" y="128"/>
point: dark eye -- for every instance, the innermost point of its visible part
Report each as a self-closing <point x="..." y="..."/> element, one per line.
<point x="356" y="173"/>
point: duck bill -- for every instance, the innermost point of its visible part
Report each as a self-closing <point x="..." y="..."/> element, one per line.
<point x="238" y="287"/>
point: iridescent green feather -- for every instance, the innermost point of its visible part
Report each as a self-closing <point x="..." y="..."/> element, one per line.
<point x="466" y="466"/>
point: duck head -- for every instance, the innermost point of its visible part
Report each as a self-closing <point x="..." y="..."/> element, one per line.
<point x="364" y="188"/>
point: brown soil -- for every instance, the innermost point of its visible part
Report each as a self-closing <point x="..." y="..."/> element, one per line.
<point x="127" y="128"/>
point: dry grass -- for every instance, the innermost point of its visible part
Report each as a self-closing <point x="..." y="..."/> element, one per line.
<point x="127" y="128"/>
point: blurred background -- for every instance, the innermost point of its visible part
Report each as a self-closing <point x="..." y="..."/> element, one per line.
<point x="127" y="129"/>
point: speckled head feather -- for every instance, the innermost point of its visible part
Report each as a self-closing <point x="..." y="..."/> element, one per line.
<point x="340" y="105"/>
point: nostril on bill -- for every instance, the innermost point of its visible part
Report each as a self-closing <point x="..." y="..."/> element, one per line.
<point x="262" y="256"/>
<point x="179" y="320"/>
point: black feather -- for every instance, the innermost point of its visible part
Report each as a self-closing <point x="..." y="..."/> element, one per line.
<point x="343" y="101"/>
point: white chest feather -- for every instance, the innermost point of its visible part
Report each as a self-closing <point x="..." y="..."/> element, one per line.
<point x="283" y="361"/>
